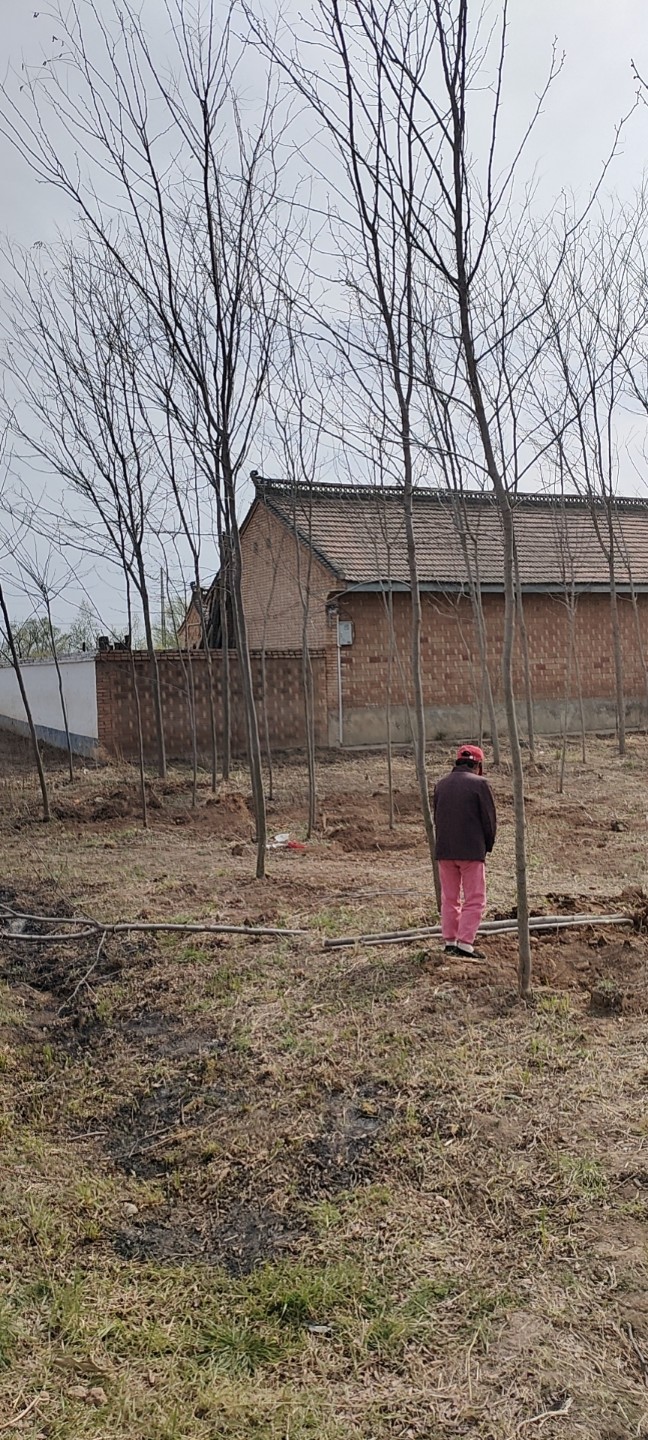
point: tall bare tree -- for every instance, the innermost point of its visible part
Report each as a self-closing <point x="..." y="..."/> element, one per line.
<point x="595" y="316"/>
<point x="299" y="410"/>
<point x="75" y="370"/>
<point x="7" y="549"/>
<point x="401" y="96"/>
<point x="450" y="454"/>
<point x="202" y="225"/>
<point x="380" y="271"/>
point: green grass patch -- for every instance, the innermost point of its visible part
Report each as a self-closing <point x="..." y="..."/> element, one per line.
<point x="582" y="1178"/>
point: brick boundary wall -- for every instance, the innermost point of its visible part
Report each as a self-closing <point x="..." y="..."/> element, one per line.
<point x="285" y="706"/>
<point x="450" y="677"/>
<point x="451" y="668"/>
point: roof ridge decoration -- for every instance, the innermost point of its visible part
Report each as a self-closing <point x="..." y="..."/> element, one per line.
<point x="330" y="490"/>
<point x="459" y="536"/>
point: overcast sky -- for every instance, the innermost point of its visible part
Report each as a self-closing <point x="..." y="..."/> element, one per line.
<point x="593" y="92"/>
<point x="599" y="39"/>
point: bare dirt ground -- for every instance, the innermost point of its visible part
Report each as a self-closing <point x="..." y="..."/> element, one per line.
<point x="262" y="1189"/>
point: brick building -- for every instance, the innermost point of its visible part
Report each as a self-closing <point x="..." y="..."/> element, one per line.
<point x="342" y="552"/>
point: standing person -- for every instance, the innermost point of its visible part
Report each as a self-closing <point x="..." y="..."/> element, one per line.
<point x="466" y="825"/>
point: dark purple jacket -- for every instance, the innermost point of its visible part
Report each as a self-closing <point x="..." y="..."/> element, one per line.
<point x="464" y="816"/>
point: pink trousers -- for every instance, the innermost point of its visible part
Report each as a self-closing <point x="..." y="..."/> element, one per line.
<point x="460" y="922"/>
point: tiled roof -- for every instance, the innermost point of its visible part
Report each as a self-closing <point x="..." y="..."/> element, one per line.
<point x="360" y="533"/>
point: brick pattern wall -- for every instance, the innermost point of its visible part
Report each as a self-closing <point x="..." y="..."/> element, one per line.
<point x="451" y="673"/>
<point x="284" y="696"/>
<point x="450" y="655"/>
<point x="270" y="584"/>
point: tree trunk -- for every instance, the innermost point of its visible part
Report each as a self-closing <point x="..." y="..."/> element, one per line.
<point x="618" y="664"/>
<point x="138" y="713"/>
<point x="304" y="587"/>
<point x="616" y="634"/>
<point x="579" y="685"/>
<point x="486" y="679"/>
<point x="204" y="630"/>
<point x="226" y="685"/>
<point x="59" y="677"/>
<point x="191" y="687"/>
<point x="524" y="645"/>
<point x="223" y="593"/>
<point x="247" y="684"/>
<point x="307" y="686"/>
<point x="309" y="719"/>
<point x="266" y="726"/>
<point x="157" y="687"/>
<point x="524" y="939"/>
<point x="47" y="814"/>
<point x="390" y="674"/>
<point x="504" y="505"/>
<point x="568" y="677"/>
<point x="417" y="678"/>
<point x="188" y="675"/>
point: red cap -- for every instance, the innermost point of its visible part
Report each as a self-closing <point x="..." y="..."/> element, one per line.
<point x="471" y="752"/>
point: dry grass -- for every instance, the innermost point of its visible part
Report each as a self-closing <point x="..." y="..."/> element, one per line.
<point x="255" y="1190"/>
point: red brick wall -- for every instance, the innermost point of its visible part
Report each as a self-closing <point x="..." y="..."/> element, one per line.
<point x="451" y="674"/>
<point x="449" y="648"/>
<point x="270" y="585"/>
<point x="450" y="654"/>
<point x="117" y="711"/>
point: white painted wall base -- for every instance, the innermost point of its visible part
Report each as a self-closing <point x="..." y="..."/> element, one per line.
<point x="41" y="683"/>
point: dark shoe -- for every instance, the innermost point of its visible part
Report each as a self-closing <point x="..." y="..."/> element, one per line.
<point x="469" y="952"/>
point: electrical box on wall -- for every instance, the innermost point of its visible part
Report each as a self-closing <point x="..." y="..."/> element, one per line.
<point x="345" y="632"/>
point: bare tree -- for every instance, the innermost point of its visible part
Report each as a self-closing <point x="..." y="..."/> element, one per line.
<point x="595" y="316"/>
<point x="15" y="661"/>
<point x="171" y="438"/>
<point x="75" y="370"/>
<point x="38" y="579"/>
<point x="299" y="409"/>
<point x="380" y="274"/>
<point x="448" y="451"/>
<point x="397" y="104"/>
<point x="202" y="228"/>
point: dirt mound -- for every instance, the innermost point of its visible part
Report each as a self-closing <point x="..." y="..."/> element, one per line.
<point x="364" y="834"/>
<point x="557" y="904"/>
<point x="608" y="966"/>
<point x="121" y="802"/>
<point x="229" y="814"/>
<point x="407" y="803"/>
<point x="569" y="904"/>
